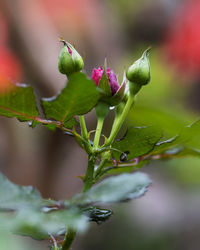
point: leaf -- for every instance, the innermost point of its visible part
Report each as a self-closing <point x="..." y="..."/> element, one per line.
<point x="77" y="98"/>
<point x="38" y="225"/>
<point x="189" y="137"/>
<point x="18" y="100"/>
<point x="164" y="145"/>
<point x="169" y="120"/>
<point x="125" y="168"/>
<point x="137" y="142"/>
<point x="115" y="189"/>
<point x="14" y="197"/>
<point x="27" y="213"/>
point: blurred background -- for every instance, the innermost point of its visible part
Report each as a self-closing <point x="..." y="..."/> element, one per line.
<point x="168" y="217"/>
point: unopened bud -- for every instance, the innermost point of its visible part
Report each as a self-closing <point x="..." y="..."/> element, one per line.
<point x="139" y="72"/>
<point x="69" y="60"/>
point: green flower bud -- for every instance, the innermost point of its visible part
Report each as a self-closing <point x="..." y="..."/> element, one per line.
<point x="139" y="72"/>
<point x="69" y="60"/>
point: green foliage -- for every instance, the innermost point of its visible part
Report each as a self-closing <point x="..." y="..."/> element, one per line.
<point x="14" y="197"/>
<point x="78" y="97"/>
<point x="27" y="213"/>
<point x="137" y="142"/>
<point x="115" y="189"/>
<point x="18" y="100"/>
<point x="38" y="224"/>
<point x="125" y="167"/>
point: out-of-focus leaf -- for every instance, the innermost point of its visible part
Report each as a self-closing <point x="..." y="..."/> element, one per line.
<point x="78" y="97"/>
<point x="25" y="212"/>
<point x="170" y="121"/>
<point x="38" y="224"/>
<point x="18" y="100"/>
<point x="189" y="137"/>
<point x="115" y="189"/>
<point x="188" y="152"/>
<point x="14" y="197"/>
<point x="137" y="142"/>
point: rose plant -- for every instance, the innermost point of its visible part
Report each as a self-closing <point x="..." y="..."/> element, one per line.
<point x="24" y="211"/>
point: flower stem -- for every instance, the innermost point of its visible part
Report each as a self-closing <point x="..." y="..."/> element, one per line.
<point x="117" y="125"/>
<point x="98" y="132"/>
<point x="69" y="238"/>
<point x="84" y="132"/>
<point x="102" y="110"/>
<point x="120" y="119"/>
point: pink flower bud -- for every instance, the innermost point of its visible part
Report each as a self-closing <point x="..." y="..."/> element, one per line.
<point x="112" y="79"/>
<point x="97" y="74"/>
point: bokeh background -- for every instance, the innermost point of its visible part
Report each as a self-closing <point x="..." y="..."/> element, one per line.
<point x="168" y="217"/>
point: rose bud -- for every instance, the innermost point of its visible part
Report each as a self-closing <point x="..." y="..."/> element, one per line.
<point x="139" y="72"/>
<point x="106" y="80"/>
<point x="69" y="60"/>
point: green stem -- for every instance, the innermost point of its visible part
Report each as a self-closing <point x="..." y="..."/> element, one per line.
<point x="69" y="238"/>
<point x="117" y="125"/>
<point x="84" y="132"/>
<point x="101" y="165"/>
<point x="98" y="132"/>
<point x="89" y="178"/>
<point x="133" y="90"/>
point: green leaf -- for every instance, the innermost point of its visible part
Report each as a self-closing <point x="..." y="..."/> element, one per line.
<point x="137" y="142"/>
<point x="164" y="145"/>
<point x="78" y="97"/>
<point x="14" y="197"/>
<point x="189" y="137"/>
<point x="38" y="225"/>
<point x="125" y="168"/>
<point x="18" y="100"/>
<point x="25" y="212"/>
<point x="115" y="189"/>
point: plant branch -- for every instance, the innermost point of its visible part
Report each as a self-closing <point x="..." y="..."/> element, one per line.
<point x="69" y="238"/>
<point x="89" y="178"/>
<point x="101" y="165"/>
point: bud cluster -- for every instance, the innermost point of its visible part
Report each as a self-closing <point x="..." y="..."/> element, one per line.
<point x="138" y="74"/>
